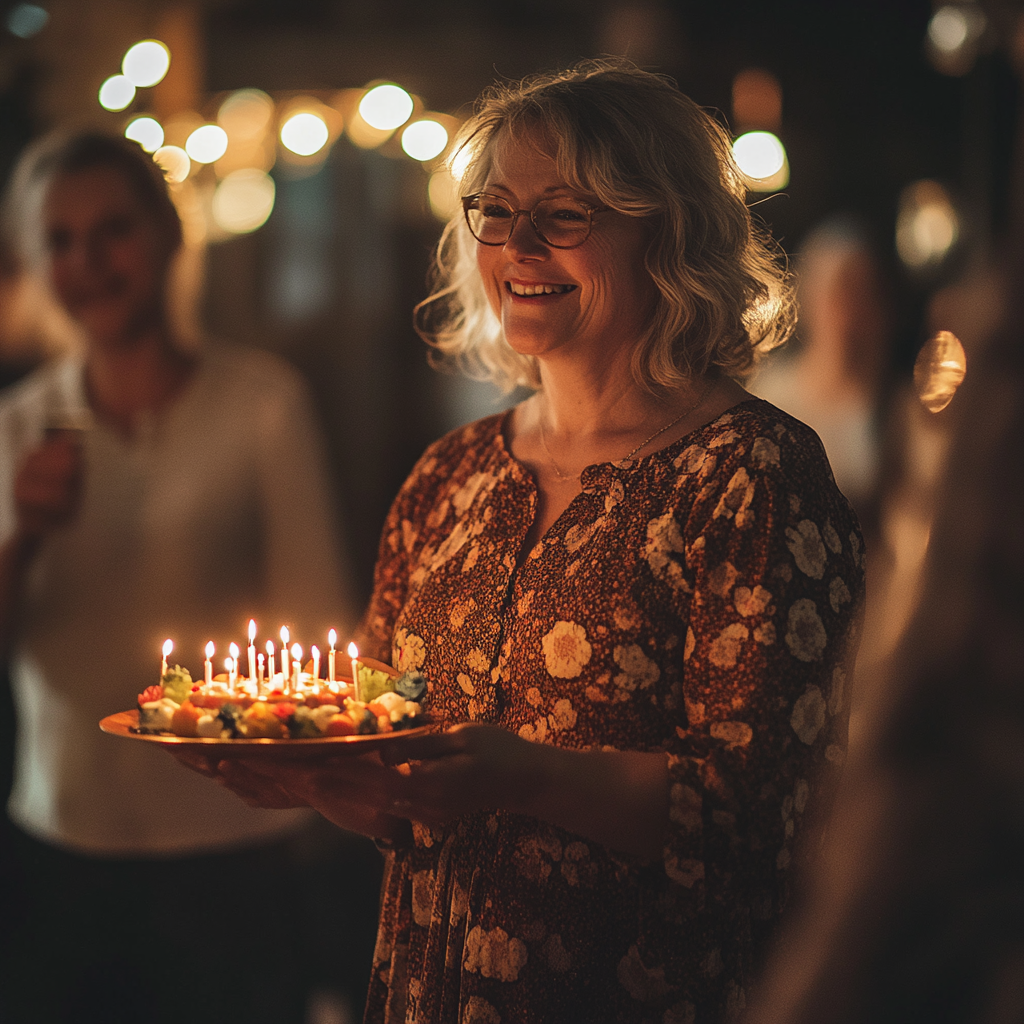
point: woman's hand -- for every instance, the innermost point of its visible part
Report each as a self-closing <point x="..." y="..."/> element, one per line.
<point x="350" y="790"/>
<point x="468" y="768"/>
<point x="48" y="485"/>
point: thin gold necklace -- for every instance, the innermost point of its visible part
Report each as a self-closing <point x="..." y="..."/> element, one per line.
<point x="643" y="444"/>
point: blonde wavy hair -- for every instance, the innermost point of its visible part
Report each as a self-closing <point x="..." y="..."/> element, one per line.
<point x="633" y="140"/>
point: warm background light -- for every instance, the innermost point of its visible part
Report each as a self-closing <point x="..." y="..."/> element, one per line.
<point x="116" y="93"/>
<point x="147" y="132"/>
<point x="424" y="140"/>
<point x="386" y="107"/>
<point x="939" y="370"/>
<point x="304" y="134"/>
<point x="927" y="226"/>
<point x="146" y="63"/>
<point x="243" y="201"/>
<point x="246" y="114"/>
<point x="207" y="143"/>
<point x="174" y="162"/>
<point x="759" y="154"/>
<point x="443" y="194"/>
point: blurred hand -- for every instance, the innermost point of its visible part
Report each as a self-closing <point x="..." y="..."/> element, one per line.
<point x="48" y="485"/>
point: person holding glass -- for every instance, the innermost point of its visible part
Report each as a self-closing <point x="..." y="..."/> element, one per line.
<point x="633" y="595"/>
<point x="148" y="487"/>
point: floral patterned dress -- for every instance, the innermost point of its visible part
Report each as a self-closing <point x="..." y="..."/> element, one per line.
<point x="699" y="601"/>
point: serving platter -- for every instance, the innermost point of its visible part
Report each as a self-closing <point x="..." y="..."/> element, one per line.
<point x="125" y="724"/>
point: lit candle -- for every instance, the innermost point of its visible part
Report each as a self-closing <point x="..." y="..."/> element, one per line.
<point x="259" y="660"/>
<point x="252" y="651"/>
<point x="270" y="663"/>
<point x="285" y="636"/>
<point x="168" y="647"/>
<point x="315" y="652"/>
<point x="353" y="653"/>
<point x="209" y="662"/>
<point x="296" y="667"/>
<point x="233" y="669"/>
<point x="332" y="638"/>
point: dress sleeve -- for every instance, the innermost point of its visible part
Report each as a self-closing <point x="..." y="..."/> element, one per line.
<point x="773" y="555"/>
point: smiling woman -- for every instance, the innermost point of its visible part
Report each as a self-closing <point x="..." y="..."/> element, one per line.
<point x="633" y="595"/>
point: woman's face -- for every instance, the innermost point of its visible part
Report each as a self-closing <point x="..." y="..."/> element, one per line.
<point x="598" y="296"/>
<point x="106" y="254"/>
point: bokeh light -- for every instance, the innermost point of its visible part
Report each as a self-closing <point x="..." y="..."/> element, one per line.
<point x="386" y="107"/>
<point x="246" y="114"/>
<point x="927" y="225"/>
<point x="116" y="93"/>
<point x="759" y="155"/>
<point x="304" y="134"/>
<point x="26" y="20"/>
<point x="939" y="370"/>
<point x="948" y="29"/>
<point x="147" y="132"/>
<point x="174" y="162"/>
<point x="424" y="140"/>
<point x="443" y="194"/>
<point x="207" y="143"/>
<point x="146" y="63"/>
<point x="243" y="201"/>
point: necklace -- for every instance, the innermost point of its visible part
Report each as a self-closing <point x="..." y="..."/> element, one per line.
<point x="643" y="444"/>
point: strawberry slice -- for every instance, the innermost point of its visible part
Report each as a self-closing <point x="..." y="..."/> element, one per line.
<point x="151" y="693"/>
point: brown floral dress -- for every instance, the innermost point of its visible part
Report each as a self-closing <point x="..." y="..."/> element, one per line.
<point x="699" y="601"/>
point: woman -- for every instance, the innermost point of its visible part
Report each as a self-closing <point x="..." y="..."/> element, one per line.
<point x="632" y="595"/>
<point x="146" y="489"/>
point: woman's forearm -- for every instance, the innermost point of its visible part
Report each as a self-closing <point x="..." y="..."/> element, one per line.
<point x="617" y="798"/>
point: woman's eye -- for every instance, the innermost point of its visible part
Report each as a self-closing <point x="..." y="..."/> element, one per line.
<point x="495" y="210"/>
<point x="573" y="214"/>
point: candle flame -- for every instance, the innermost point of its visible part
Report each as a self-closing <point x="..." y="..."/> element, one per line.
<point x="332" y="638"/>
<point x="209" y="650"/>
<point x="285" y="635"/>
<point x="168" y="647"/>
<point x="314" y="651"/>
<point x="233" y="649"/>
<point x="296" y="652"/>
<point x="252" y="631"/>
<point x="270" y="647"/>
<point x="353" y="651"/>
<point x="229" y="664"/>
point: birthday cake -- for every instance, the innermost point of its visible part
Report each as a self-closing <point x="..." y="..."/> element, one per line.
<point x="302" y="707"/>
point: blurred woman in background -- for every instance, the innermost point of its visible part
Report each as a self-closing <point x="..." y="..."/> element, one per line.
<point x="148" y="487"/>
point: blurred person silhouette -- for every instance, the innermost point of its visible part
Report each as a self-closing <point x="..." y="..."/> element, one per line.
<point x="148" y="486"/>
<point x="914" y="912"/>
<point x="832" y="377"/>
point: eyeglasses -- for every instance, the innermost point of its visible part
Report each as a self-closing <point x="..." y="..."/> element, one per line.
<point x="562" y="223"/>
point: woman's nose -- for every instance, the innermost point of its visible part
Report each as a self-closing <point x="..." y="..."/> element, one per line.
<point x="524" y="242"/>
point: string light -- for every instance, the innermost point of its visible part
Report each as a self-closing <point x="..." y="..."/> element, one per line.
<point x="146" y="63"/>
<point x="386" y="107"/>
<point x="424" y="140"/>
<point x="116" y="93"/>
<point x="207" y="143"/>
<point x="304" y="134"/>
<point x="147" y="132"/>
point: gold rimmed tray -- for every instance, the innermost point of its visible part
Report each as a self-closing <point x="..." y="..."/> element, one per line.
<point x="126" y="723"/>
